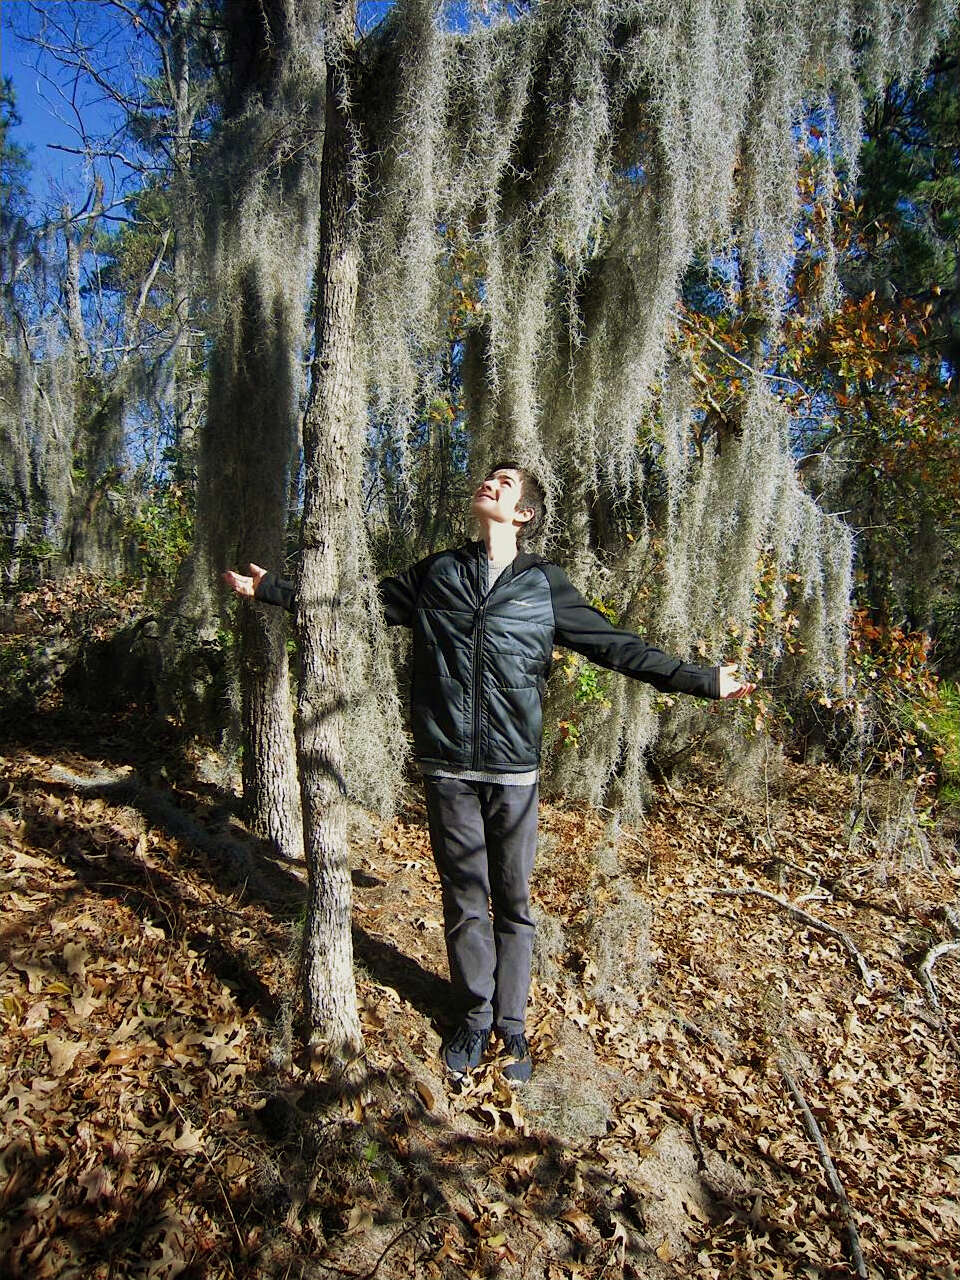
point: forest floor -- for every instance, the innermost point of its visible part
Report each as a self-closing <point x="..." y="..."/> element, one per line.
<point x="160" y="1121"/>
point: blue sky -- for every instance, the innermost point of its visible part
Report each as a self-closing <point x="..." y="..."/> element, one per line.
<point x="52" y="106"/>
<point x="46" y="110"/>
<point x="45" y="92"/>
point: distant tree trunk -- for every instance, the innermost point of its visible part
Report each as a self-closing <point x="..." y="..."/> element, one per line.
<point x="254" y="402"/>
<point x="252" y="412"/>
<point x="76" y="244"/>
<point x="331" y="497"/>
<point x="185" y="415"/>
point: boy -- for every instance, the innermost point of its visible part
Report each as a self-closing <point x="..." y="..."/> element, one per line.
<point x="485" y="619"/>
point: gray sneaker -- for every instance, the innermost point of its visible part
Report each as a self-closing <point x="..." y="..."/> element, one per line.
<point x="465" y="1049"/>
<point x="520" y="1069"/>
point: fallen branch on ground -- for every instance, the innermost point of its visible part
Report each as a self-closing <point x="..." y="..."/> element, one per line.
<point x="926" y="969"/>
<point x="836" y="1186"/>
<point x="810" y="921"/>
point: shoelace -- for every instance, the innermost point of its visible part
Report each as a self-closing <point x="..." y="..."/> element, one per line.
<point x="516" y="1046"/>
<point x="467" y="1039"/>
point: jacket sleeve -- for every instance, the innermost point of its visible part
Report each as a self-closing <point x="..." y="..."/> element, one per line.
<point x="398" y="594"/>
<point x="585" y="630"/>
<point x="272" y="589"/>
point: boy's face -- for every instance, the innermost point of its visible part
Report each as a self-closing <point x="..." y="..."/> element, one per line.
<point x="499" y="499"/>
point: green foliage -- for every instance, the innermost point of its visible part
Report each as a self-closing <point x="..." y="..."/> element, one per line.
<point x="940" y="725"/>
<point x="894" y="717"/>
<point x="163" y="530"/>
<point x="14" y="162"/>
<point x="589" y="686"/>
<point x="909" y="193"/>
<point x="129" y="255"/>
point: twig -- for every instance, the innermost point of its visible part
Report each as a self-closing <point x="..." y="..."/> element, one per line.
<point x="810" y="921"/>
<point x="926" y="969"/>
<point x="799" y="868"/>
<point x="836" y="1186"/>
<point x="757" y="373"/>
<point x="368" y="1275"/>
<point x="695" y="1131"/>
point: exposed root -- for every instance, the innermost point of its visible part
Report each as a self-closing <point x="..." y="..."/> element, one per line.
<point x="926" y="969"/>
<point x="811" y="922"/>
<point x="836" y="1186"/>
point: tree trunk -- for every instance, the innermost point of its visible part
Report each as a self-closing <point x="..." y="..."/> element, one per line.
<point x="71" y="283"/>
<point x="270" y="792"/>
<point x="185" y="414"/>
<point x="331" y="498"/>
<point x="250" y="432"/>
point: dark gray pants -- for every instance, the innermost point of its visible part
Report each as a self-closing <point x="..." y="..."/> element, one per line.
<point x="484" y="838"/>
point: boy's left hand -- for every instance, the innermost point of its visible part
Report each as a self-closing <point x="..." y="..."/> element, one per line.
<point x="731" y="686"/>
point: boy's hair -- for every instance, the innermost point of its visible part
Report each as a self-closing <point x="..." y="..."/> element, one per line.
<point x="532" y="494"/>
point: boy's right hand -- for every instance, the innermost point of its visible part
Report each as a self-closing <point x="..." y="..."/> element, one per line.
<point x="245" y="584"/>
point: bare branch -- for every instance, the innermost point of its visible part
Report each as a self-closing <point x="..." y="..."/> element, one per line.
<point x="836" y="1186"/>
<point x="144" y="293"/>
<point x="761" y="373"/>
<point x="926" y="969"/>
<point x="811" y="922"/>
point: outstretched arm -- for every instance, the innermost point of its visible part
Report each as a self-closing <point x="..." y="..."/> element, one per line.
<point x="585" y="630"/>
<point x="260" y="584"/>
<point x="398" y="595"/>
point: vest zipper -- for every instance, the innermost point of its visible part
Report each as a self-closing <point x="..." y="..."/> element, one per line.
<point x="478" y="681"/>
<point x="483" y="597"/>
<point x="478" y="656"/>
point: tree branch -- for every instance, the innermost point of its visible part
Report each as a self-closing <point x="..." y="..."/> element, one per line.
<point x="836" y="1186"/>
<point x="144" y="294"/>
<point x="757" y="373"/>
<point x="926" y="969"/>
<point x="810" y="921"/>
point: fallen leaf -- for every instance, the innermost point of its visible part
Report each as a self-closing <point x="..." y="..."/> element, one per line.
<point x="85" y="1004"/>
<point x="120" y="1056"/>
<point x="97" y="1184"/>
<point x="579" y="1220"/>
<point x="34" y="972"/>
<point x="23" y="862"/>
<point x="63" y="1053"/>
<point x="360" y="1219"/>
<point x="188" y="1140"/>
<point x="75" y="957"/>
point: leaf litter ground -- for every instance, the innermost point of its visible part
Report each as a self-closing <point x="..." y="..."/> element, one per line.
<point x="159" y="1120"/>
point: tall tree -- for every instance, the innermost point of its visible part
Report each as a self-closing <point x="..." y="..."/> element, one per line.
<point x="16" y="245"/>
<point x="584" y="150"/>
<point x="331" y="500"/>
<point x="261" y="175"/>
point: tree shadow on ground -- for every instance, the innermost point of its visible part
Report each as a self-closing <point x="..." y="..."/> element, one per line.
<point x="218" y="849"/>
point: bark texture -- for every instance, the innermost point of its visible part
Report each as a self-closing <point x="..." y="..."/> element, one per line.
<point x="255" y="385"/>
<point x="331" y="497"/>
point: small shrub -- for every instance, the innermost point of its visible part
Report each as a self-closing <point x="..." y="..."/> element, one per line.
<point x="880" y="723"/>
<point x="162" y="529"/>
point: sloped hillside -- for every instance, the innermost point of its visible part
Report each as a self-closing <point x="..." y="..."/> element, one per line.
<point x="740" y="1069"/>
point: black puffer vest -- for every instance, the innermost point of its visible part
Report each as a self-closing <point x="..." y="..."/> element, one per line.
<point x="480" y="663"/>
